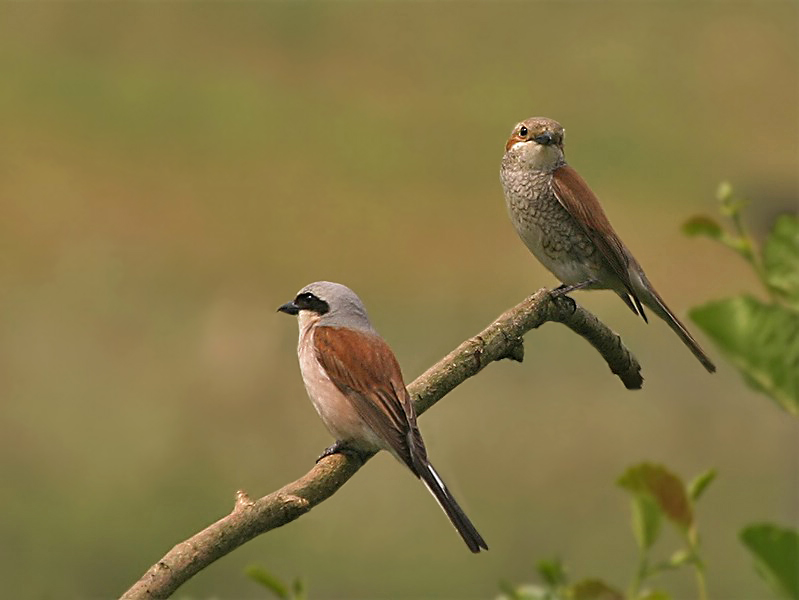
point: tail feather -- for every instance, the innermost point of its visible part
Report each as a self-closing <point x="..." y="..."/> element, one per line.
<point x="459" y="520"/>
<point x="654" y="302"/>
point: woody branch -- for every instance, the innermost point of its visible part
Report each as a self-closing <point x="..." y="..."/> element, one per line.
<point x="250" y="518"/>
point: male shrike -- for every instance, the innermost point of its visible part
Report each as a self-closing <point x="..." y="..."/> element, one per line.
<point x="356" y="386"/>
<point x="561" y="221"/>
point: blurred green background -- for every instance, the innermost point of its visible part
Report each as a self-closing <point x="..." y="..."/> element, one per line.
<point x="172" y="172"/>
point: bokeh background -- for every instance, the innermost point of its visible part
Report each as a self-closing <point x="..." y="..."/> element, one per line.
<point x="172" y="172"/>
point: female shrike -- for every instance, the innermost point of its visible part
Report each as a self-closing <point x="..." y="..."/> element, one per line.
<point x="356" y="386"/>
<point x="561" y="221"/>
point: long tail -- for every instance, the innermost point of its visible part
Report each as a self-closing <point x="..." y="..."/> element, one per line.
<point x="459" y="520"/>
<point x="654" y="302"/>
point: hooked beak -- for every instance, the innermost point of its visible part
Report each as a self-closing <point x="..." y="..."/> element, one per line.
<point x="545" y="139"/>
<point x="289" y="308"/>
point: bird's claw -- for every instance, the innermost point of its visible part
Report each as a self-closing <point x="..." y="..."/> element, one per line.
<point x="339" y="448"/>
<point x="564" y="289"/>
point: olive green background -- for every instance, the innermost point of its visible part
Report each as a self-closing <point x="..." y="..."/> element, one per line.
<point x="172" y="172"/>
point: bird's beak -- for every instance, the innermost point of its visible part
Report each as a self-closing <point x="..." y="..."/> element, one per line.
<point x="289" y="308"/>
<point x="545" y="139"/>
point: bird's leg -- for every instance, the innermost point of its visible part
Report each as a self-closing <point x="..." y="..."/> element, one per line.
<point x="340" y="447"/>
<point x="564" y="289"/>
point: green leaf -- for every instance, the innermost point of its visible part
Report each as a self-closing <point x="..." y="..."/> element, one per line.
<point x="761" y="340"/>
<point x="776" y="551"/>
<point x="781" y="259"/>
<point x="269" y="581"/>
<point x="697" y="487"/>
<point x="646" y="519"/>
<point x="702" y="225"/>
<point x="662" y="486"/>
<point x="594" y="589"/>
<point x="552" y="571"/>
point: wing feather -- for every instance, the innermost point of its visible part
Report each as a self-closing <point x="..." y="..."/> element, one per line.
<point x="363" y="367"/>
<point x="576" y="197"/>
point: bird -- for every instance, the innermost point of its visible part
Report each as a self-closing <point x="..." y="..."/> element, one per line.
<point x="355" y="383"/>
<point x="562" y="223"/>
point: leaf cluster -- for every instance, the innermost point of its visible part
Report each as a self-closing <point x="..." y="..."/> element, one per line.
<point x="760" y="338"/>
<point x="657" y="496"/>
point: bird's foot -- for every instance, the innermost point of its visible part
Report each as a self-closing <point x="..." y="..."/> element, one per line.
<point x="564" y="289"/>
<point x="340" y="448"/>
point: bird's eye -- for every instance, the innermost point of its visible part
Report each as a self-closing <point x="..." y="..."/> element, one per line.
<point x="312" y="302"/>
<point x="523" y="131"/>
<point x="304" y="300"/>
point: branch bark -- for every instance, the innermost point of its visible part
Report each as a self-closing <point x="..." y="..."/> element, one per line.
<point x="502" y="339"/>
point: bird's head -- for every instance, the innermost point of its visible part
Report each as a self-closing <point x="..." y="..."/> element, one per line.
<point x="537" y="143"/>
<point x="331" y="303"/>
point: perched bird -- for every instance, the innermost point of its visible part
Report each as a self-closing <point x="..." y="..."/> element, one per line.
<point x="356" y="386"/>
<point x="561" y="221"/>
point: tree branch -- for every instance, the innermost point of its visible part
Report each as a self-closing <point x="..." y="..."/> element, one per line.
<point x="501" y="339"/>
